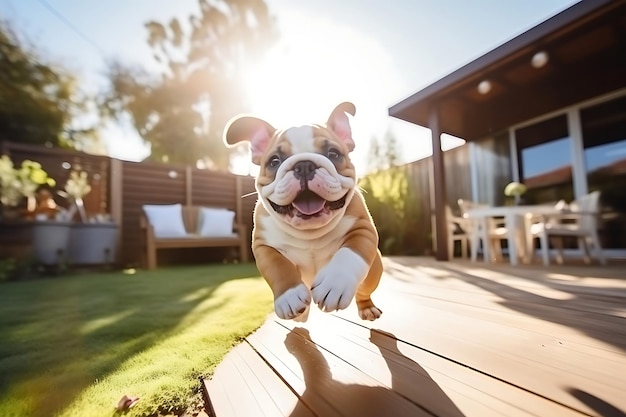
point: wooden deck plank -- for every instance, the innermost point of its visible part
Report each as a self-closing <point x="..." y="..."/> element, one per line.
<point x="606" y="301"/>
<point x="270" y="390"/>
<point x="326" y="383"/>
<point x="591" y="332"/>
<point x="577" y="292"/>
<point x="580" y="338"/>
<point x="534" y="361"/>
<point x="605" y="297"/>
<point x="442" y="387"/>
<point x="219" y="389"/>
<point x="243" y="385"/>
<point x="456" y="339"/>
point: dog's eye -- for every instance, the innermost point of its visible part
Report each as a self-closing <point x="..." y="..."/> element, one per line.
<point x="334" y="154"/>
<point x="274" y="162"/>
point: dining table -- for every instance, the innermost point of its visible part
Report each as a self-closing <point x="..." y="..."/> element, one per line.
<point x="517" y="221"/>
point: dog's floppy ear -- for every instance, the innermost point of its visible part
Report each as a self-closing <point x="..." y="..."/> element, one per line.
<point x="338" y="122"/>
<point x="248" y="128"/>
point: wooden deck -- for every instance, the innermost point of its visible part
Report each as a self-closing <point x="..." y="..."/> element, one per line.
<point x="455" y="339"/>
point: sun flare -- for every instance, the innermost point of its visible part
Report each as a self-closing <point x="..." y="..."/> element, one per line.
<point x="311" y="70"/>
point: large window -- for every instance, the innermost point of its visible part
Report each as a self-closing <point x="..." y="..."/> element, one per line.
<point x="545" y="161"/>
<point x="604" y="141"/>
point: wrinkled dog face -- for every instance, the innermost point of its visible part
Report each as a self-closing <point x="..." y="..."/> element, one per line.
<point x="306" y="178"/>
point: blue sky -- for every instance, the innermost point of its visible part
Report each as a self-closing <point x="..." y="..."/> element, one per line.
<point x="371" y="52"/>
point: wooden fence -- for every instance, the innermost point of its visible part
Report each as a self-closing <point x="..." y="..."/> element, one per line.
<point x="120" y="188"/>
<point x="420" y="183"/>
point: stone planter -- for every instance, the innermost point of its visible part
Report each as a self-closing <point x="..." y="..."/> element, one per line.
<point x="50" y="242"/>
<point x="92" y="244"/>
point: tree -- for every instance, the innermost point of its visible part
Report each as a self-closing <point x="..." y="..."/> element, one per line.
<point x="383" y="154"/>
<point x="38" y="102"/>
<point x="182" y="110"/>
<point x="389" y="198"/>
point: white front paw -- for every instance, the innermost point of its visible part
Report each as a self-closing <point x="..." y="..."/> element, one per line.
<point x="292" y="302"/>
<point x="335" y="284"/>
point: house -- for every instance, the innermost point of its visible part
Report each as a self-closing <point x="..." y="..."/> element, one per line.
<point x="547" y="108"/>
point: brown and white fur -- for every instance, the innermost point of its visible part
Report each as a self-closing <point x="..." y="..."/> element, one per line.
<point x="313" y="236"/>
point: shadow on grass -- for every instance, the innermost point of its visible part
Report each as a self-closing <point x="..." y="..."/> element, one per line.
<point x="61" y="335"/>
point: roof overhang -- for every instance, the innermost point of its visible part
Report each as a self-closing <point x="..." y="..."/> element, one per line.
<point x="586" y="48"/>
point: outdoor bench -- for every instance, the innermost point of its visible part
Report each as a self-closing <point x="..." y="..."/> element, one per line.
<point x="190" y="227"/>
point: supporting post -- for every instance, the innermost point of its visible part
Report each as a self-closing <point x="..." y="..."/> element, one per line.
<point x="188" y="186"/>
<point x="574" y="127"/>
<point x="440" y="186"/>
<point x="116" y="202"/>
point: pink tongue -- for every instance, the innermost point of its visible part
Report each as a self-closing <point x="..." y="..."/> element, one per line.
<point x="309" y="205"/>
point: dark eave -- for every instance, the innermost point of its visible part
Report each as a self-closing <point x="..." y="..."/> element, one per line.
<point x="586" y="44"/>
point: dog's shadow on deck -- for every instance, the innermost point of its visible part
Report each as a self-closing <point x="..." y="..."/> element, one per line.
<point x="412" y="391"/>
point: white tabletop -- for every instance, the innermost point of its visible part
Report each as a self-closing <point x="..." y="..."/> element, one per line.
<point x="503" y="211"/>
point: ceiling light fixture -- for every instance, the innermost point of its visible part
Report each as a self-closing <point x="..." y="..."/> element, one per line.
<point x="540" y="59"/>
<point x="484" y="87"/>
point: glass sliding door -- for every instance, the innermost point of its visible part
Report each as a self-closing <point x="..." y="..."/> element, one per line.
<point x="544" y="155"/>
<point x="604" y="142"/>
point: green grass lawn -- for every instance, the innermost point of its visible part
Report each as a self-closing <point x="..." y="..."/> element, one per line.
<point x="74" y="345"/>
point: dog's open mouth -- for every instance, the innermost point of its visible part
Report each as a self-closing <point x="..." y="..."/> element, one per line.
<point x="308" y="204"/>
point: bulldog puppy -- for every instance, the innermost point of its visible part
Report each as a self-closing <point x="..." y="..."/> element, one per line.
<point x="313" y="236"/>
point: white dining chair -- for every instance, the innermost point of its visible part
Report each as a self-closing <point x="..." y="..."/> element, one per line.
<point x="458" y="231"/>
<point x="488" y="231"/>
<point x="579" y="221"/>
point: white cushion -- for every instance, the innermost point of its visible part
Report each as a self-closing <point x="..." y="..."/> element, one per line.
<point x="166" y="219"/>
<point x="215" y="222"/>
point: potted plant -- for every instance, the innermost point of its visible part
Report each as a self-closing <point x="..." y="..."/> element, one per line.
<point x="92" y="240"/>
<point x="515" y="190"/>
<point x="17" y="184"/>
<point x="49" y="237"/>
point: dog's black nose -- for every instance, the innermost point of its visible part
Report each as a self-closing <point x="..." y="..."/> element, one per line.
<point x="304" y="170"/>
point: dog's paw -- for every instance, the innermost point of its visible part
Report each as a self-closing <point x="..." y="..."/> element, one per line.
<point x="335" y="285"/>
<point x="292" y="302"/>
<point x="333" y="292"/>
<point x="370" y="313"/>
